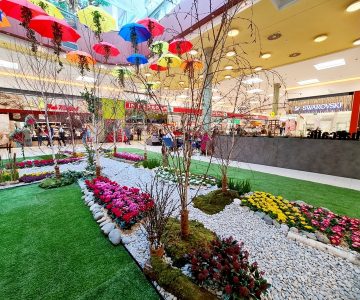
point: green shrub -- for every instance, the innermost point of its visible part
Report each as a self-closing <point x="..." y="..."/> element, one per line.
<point x="151" y="163"/>
<point x="173" y="281"/>
<point x="9" y="175"/>
<point x="242" y="187"/>
<point x="67" y="178"/>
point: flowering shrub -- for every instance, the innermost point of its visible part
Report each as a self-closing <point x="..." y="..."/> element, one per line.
<point x="43" y="162"/>
<point x="225" y="266"/>
<point x="125" y="205"/>
<point x="32" y="177"/>
<point x="74" y="154"/>
<point x="129" y="156"/>
<point x="278" y="208"/>
<point x="339" y="229"/>
<point x="11" y="175"/>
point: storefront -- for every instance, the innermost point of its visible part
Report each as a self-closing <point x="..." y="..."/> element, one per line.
<point x="329" y="113"/>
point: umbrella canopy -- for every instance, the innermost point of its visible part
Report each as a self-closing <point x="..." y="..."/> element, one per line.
<point x="44" y="25"/>
<point x="49" y="8"/>
<point x="180" y="46"/>
<point x="13" y="8"/>
<point x="159" y="47"/>
<point x="156" y="67"/>
<point x="169" y="60"/>
<point x="193" y="64"/>
<point x="86" y="17"/>
<point x="137" y="59"/>
<point x="4" y="22"/>
<point x="153" y="26"/>
<point x="135" y="33"/>
<point x="75" y="56"/>
<point x="106" y="49"/>
<point x="151" y="85"/>
<point x="122" y="71"/>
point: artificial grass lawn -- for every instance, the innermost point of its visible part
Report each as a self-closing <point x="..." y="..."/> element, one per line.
<point x="51" y="248"/>
<point x="340" y="200"/>
<point x="40" y="157"/>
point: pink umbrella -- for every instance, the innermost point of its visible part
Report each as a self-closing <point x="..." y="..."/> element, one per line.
<point x="154" y="27"/>
<point x="44" y="25"/>
<point x="106" y="49"/>
<point x="15" y="8"/>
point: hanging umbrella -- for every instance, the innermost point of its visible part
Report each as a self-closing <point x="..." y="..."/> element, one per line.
<point x="137" y="59"/>
<point x="156" y="67"/>
<point x="121" y="73"/>
<point x="75" y="57"/>
<point x="106" y="49"/>
<point x="154" y="27"/>
<point x="46" y="26"/>
<point x="151" y="86"/>
<point x="49" y="8"/>
<point x="169" y="60"/>
<point x="134" y="33"/>
<point x="159" y="47"/>
<point x="87" y="16"/>
<point x="15" y="9"/>
<point x="191" y="65"/>
<point x="180" y="46"/>
<point x="4" y="22"/>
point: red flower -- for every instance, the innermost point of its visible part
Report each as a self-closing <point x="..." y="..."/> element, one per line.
<point x="244" y="291"/>
<point x="228" y="289"/>
<point x="236" y="279"/>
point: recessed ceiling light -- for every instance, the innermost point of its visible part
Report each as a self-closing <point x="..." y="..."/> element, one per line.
<point x="229" y="67"/>
<point x="9" y="64"/>
<point x="295" y="54"/>
<point x="227" y="77"/>
<point x="254" y="91"/>
<point x="183" y="96"/>
<point x="308" y="81"/>
<point x="233" y="32"/>
<point x="257" y="69"/>
<point x="166" y="88"/>
<point x="186" y="88"/>
<point x="265" y="55"/>
<point x="253" y="80"/>
<point x="274" y="36"/>
<point x="193" y="52"/>
<point x="147" y="74"/>
<point x="181" y="82"/>
<point x="231" y="53"/>
<point x="330" y="64"/>
<point x="356" y="42"/>
<point x="320" y="38"/>
<point x="158" y="82"/>
<point x="201" y="76"/>
<point x="353" y="6"/>
<point x="85" y="78"/>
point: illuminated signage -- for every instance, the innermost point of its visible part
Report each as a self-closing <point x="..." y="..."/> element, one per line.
<point x="319" y="108"/>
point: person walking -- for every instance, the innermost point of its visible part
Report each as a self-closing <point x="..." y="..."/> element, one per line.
<point x="83" y="134"/>
<point x="138" y="132"/>
<point x="61" y="135"/>
<point x="39" y="133"/>
<point x="128" y="135"/>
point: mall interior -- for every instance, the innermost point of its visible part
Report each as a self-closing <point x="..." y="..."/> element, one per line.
<point x="180" y="149"/>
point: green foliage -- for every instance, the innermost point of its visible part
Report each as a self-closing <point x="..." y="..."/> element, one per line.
<point x="90" y="158"/>
<point x="151" y="163"/>
<point x="173" y="281"/>
<point x="67" y="178"/>
<point x="177" y="248"/>
<point x="9" y="175"/>
<point x="215" y="201"/>
<point x="242" y="186"/>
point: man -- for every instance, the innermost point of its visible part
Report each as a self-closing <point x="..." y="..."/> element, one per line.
<point x="128" y="135"/>
<point x="39" y="135"/>
<point x="61" y="135"/>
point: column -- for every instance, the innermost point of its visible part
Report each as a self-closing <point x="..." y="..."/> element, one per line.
<point x="275" y="104"/>
<point x="207" y="97"/>
<point x="355" y="113"/>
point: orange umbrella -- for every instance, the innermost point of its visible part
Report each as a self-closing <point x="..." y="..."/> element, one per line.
<point x="76" y="56"/>
<point x="190" y="65"/>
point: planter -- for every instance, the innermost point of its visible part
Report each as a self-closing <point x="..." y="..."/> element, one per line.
<point x="158" y="252"/>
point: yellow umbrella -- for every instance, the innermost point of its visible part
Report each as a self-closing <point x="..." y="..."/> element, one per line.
<point x="169" y="60"/>
<point x="86" y="17"/>
<point x="50" y="8"/>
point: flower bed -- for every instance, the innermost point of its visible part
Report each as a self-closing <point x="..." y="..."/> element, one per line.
<point x="129" y="156"/>
<point x="125" y="205"/>
<point x="74" y="154"/>
<point x="43" y="162"/>
<point x="339" y="229"/>
<point x="168" y="174"/>
<point x="32" y="177"/>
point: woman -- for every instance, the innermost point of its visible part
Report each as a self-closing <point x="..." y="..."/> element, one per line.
<point x="204" y="143"/>
<point x="39" y="133"/>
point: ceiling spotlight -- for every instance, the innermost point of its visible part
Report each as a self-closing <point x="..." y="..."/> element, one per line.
<point x="193" y="52"/>
<point x="201" y="76"/>
<point x="274" y="36"/>
<point x="231" y="53"/>
<point x="353" y="6"/>
<point x="147" y="74"/>
<point x="227" y="77"/>
<point x="229" y="67"/>
<point x="320" y="38"/>
<point x="233" y="32"/>
<point x="356" y="42"/>
<point x="181" y="82"/>
<point x="257" y="69"/>
<point x="158" y="82"/>
<point x="186" y="88"/>
<point x="265" y="55"/>
<point x="295" y="54"/>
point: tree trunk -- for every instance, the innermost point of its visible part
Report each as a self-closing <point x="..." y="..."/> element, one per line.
<point x="98" y="170"/>
<point x="184" y="223"/>
<point x="224" y="183"/>
<point x="57" y="172"/>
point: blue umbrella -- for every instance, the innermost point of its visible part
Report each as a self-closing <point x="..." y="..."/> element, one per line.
<point x="135" y="33"/>
<point x="137" y="59"/>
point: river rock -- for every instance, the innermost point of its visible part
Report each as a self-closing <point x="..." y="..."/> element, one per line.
<point x="268" y="220"/>
<point x="294" y="230"/>
<point x="237" y="201"/>
<point x="115" y="236"/>
<point x="98" y="215"/>
<point x="107" y="228"/>
<point x="322" y="237"/>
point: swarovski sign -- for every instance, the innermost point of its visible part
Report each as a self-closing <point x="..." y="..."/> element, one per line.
<point x="319" y="108"/>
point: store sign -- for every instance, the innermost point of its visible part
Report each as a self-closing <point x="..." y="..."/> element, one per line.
<point x="61" y="107"/>
<point x="146" y="107"/>
<point x="319" y="108"/>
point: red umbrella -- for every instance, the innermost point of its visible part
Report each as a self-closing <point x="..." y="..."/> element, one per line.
<point x="156" y="67"/>
<point x="106" y="49"/>
<point x="44" y="25"/>
<point x="180" y="46"/>
<point x="154" y="27"/>
<point x="14" y="8"/>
